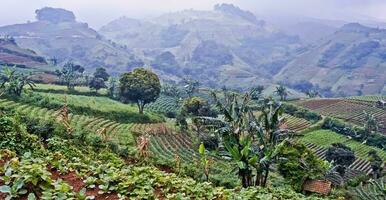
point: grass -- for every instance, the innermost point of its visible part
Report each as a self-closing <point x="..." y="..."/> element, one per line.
<point x="101" y="106"/>
<point x="325" y="138"/>
<point x="51" y="88"/>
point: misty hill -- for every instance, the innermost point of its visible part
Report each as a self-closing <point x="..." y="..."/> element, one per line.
<point x="223" y="46"/>
<point x="12" y="55"/>
<point x="57" y="35"/>
<point x="351" y="61"/>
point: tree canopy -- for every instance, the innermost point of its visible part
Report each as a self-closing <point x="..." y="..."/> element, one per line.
<point x="140" y="86"/>
<point x="69" y="74"/>
<point x="101" y="72"/>
<point x="341" y="156"/>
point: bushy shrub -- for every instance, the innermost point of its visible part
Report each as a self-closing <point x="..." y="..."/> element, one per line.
<point x="301" y="113"/>
<point x="6" y="124"/>
<point x="113" y="146"/>
<point x="297" y="164"/>
<point x="97" y="142"/>
<point x="15" y="138"/>
<point x="43" y="129"/>
<point x="197" y="106"/>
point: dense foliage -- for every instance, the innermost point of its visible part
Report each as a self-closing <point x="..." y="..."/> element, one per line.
<point x="13" y="82"/>
<point x="140" y="86"/>
<point x="341" y="157"/>
<point x="197" y="106"/>
<point x="43" y="173"/>
<point x="297" y="164"/>
<point x="301" y="112"/>
<point x="252" y="143"/>
<point x="69" y="75"/>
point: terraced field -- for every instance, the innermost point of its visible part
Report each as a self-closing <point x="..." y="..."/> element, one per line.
<point x="165" y="143"/>
<point x="115" y="131"/>
<point x="324" y="139"/>
<point x="371" y="98"/>
<point x="351" y="110"/>
<point x="167" y="146"/>
<point x="296" y="124"/>
<point x="164" y="105"/>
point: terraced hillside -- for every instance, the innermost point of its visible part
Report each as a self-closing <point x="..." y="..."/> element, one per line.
<point x="296" y="124"/>
<point x="165" y="142"/>
<point x="165" y="105"/>
<point x="319" y="141"/>
<point x="115" y="131"/>
<point x="351" y="110"/>
<point x="370" y="98"/>
<point x="324" y="139"/>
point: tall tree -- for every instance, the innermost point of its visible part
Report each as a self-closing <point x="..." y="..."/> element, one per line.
<point x="282" y="92"/>
<point x="141" y="86"/>
<point x="101" y="72"/>
<point x="96" y="84"/>
<point x="69" y="74"/>
<point x="98" y="81"/>
<point x="341" y="157"/>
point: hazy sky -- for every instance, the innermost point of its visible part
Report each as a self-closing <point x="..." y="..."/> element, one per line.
<point x="99" y="12"/>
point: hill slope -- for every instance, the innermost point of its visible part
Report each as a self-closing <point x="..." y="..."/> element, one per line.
<point x="57" y="35"/>
<point x="11" y="54"/>
<point x="223" y="46"/>
<point x="352" y="61"/>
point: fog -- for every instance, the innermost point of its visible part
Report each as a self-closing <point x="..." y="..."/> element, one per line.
<point x="99" y="12"/>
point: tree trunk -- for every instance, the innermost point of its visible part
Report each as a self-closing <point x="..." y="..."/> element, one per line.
<point x="140" y="105"/>
<point x="265" y="177"/>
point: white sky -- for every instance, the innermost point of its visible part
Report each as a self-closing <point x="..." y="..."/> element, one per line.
<point x="100" y="12"/>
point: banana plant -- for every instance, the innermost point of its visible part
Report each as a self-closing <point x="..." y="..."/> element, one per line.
<point x="251" y="142"/>
<point x="205" y="162"/>
<point x="13" y="82"/>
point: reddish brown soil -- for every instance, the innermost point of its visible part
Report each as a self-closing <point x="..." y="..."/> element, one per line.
<point x="158" y="194"/>
<point x="77" y="184"/>
<point x="71" y="178"/>
<point x="166" y="169"/>
<point x="318" y="103"/>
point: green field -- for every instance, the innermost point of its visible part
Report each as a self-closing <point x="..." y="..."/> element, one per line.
<point x="325" y="138"/>
<point x="63" y="89"/>
<point x="100" y="106"/>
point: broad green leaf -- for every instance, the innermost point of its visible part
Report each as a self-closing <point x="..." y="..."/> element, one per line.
<point x="252" y="160"/>
<point x="5" y="189"/>
<point x="201" y="149"/>
<point x="31" y="196"/>
<point x="241" y="165"/>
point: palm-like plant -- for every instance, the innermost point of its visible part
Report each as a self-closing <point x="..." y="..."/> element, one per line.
<point x="13" y="82"/>
<point x="282" y="92"/>
<point x="370" y="126"/>
<point x="256" y="92"/>
<point x="252" y="143"/>
<point x="312" y="93"/>
<point x="191" y="86"/>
